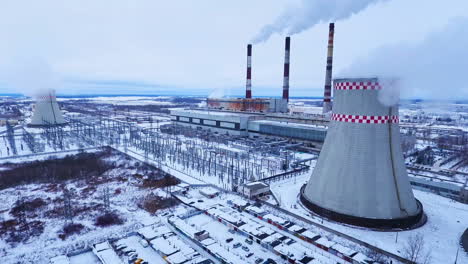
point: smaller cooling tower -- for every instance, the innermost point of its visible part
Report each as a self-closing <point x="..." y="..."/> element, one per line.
<point x="47" y="111"/>
<point x="360" y="177"/>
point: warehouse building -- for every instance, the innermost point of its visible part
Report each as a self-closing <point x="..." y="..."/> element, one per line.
<point x="246" y="124"/>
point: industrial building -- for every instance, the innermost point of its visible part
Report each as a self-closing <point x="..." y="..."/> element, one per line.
<point x="360" y="177"/>
<point x="255" y="189"/>
<point x="216" y="121"/>
<point x="263" y="105"/>
<point x="47" y="111"/>
<point x="246" y="124"/>
<point x="249" y="104"/>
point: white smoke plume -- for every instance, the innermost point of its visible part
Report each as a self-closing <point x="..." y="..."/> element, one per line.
<point x="30" y="76"/>
<point x="308" y="13"/>
<point x="434" y="68"/>
<point x="217" y="93"/>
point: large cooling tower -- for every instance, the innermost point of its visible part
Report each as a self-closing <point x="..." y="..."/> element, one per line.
<point x="360" y="177"/>
<point x="47" y="111"/>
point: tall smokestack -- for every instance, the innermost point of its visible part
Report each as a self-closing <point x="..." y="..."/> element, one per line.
<point x="286" y="68"/>
<point x="248" y="85"/>
<point x="327" y="106"/>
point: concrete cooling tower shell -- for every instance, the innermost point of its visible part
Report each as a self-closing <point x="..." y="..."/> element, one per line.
<point x="360" y="177"/>
<point x="47" y="111"/>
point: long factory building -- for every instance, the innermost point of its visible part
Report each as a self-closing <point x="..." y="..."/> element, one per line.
<point x="246" y="124"/>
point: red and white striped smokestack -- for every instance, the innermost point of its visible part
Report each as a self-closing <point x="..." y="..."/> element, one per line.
<point x="286" y="68"/>
<point x="248" y="85"/>
<point x="327" y="106"/>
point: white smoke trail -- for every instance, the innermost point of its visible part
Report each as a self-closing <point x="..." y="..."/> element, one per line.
<point x="30" y="76"/>
<point x="308" y="13"/>
<point x="434" y="68"/>
<point x="217" y="93"/>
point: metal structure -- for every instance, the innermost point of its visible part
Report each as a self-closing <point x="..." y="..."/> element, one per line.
<point x="248" y="84"/>
<point x="263" y="105"/>
<point x="287" y="48"/>
<point x="47" y="111"/>
<point x="11" y="138"/>
<point x="327" y="105"/>
<point x="360" y="177"/>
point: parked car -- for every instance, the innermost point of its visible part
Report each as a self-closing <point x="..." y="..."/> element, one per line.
<point x="258" y="261"/>
<point x="249" y="255"/>
<point x="236" y="245"/>
<point x="229" y="240"/>
<point x="248" y="241"/>
<point x="245" y="248"/>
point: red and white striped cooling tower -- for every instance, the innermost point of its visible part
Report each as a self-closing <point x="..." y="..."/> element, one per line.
<point x="360" y="177"/>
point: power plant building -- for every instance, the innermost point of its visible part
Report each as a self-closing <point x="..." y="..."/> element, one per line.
<point x="246" y="124"/>
<point x="262" y="105"/>
<point x="360" y="177"/>
<point x="216" y="121"/>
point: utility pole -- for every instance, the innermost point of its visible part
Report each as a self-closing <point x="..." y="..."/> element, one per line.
<point x="106" y="199"/>
<point x="68" y="211"/>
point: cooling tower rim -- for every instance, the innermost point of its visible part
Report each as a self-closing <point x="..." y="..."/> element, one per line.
<point x="406" y="223"/>
<point x="358" y="79"/>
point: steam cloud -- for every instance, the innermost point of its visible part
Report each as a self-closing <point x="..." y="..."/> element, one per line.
<point x="434" y="68"/>
<point x="217" y="93"/>
<point x="30" y="76"/>
<point x="296" y="19"/>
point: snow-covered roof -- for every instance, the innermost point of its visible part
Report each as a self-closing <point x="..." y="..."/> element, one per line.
<point x="238" y="201"/>
<point x="208" y="241"/>
<point x="274" y="218"/>
<point x="102" y="246"/>
<point x="108" y="256"/>
<point x="295" y="228"/>
<point x="360" y="257"/>
<point x="148" y="232"/>
<point x="209" y="191"/>
<point x="60" y="260"/>
<point x="255" y="185"/>
<point x="343" y="250"/>
<point x="177" y="258"/>
<point x="163" y="246"/>
<point x="255" y="209"/>
<point x="186" y="228"/>
<point x="309" y="234"/>
<point x="325" y="242"/>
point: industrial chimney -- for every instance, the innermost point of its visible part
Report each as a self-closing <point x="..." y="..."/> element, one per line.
<point x="360" y="177"/>
<point x="327" y="106"/>
<point x="286" y="69"/>
<point x="47" y="111"/>
<point x="248" y="85"/>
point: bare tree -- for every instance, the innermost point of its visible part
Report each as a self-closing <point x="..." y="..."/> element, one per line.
<point x="376" y="256"/>
<point x="415" y="251"/>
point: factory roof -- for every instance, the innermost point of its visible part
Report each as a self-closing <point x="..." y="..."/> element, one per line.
<point x="214" y="112"/>
<point x="289" y="124"/>
<point x="255" y="185"/>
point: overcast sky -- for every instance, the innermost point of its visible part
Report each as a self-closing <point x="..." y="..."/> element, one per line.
<point x="191" y="47"/>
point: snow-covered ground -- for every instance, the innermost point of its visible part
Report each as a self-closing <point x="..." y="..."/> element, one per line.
<point x="124" y="100"/>
<point x="126" y="190"/>
<point x="447" y="220"/>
